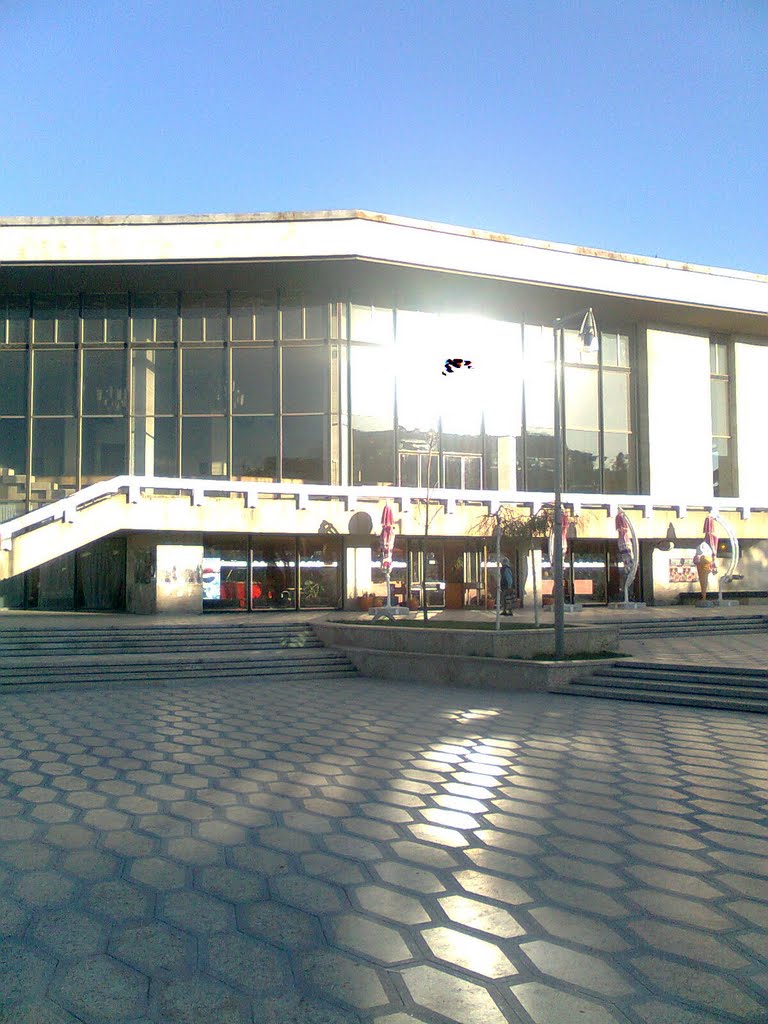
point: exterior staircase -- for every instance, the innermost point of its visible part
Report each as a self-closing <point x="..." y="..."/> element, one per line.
<point x="31" y="658"/>
<point x="730" y="689"/>
<point x="705" y="622"/>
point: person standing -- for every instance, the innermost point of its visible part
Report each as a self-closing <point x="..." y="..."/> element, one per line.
<point x="704" y="560"/>
<point x="507" y="587"/>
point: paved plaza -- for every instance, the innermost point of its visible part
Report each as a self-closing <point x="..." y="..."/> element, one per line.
<point x="363" y="851"/>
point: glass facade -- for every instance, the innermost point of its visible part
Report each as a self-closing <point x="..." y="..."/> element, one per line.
<point x="221" y="385"/>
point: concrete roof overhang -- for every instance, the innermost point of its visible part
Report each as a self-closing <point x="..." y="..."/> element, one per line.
<point x="390" y="259"/>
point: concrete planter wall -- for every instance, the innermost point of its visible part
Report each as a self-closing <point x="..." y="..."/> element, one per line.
<point x="452" y="670"/>
<point x="478" y="643"/>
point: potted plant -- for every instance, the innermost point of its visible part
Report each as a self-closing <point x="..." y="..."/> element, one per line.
<point x="365" y="602"/>
<point x="413" y="604"/>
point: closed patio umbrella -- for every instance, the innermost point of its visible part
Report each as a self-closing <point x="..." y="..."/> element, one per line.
<point x="710" y="536"/>
<point x="387" y="544"/>
<point x="626" y="545"/>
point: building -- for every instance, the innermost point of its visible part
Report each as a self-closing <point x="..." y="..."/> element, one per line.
<point x="211" y="411"/>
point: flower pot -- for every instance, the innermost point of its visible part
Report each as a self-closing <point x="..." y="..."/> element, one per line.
<point x="413" y="604"/>
<point x="364" y="603"/>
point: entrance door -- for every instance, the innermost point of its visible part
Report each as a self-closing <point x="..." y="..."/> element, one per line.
<point x="273" y="573"/>
<point x="435" y="581"/>
<point x="225" y="574"/>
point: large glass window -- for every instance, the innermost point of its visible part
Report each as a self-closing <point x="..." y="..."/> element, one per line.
<point x="13" y="382"/>
<point x="204" y="447"/>
<point x="56" y="319"/>
<point x="305" y="379"/>
<point x="53" y="458"/>
<point x="254" y="318"/>
<point x="724" y="481"/>
<point x="299" y="322"/>
<point x="105" y="319"/>
<point x="154" y="382"/>
<point x="320" y="572"/>
<point x="203" y="317"/>
<point x="104" y="384"/>
<point x="254" y="448"/>
<point x="13" y="464"/>
<point x="153" y="443"/>
<point x="253" y="380"/>
<point x="14" y="320"/>
<point x="104" y="448"/>
<point x="155" y="318"/>
<point x="304" y="449"/>
<point x="203" y="380"/>
<point x="373" y="410"/>
<point x="54" y="382"/>
<point x="273" y="572"/>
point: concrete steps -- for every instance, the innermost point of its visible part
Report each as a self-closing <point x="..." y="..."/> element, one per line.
<point x="95" y="656"/>
<point x="706" y="622"/>
<point x="691" y="685"/>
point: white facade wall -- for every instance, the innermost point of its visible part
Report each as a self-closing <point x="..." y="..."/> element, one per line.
<point x="679" y="415"/>
<point x="751" y="371"/>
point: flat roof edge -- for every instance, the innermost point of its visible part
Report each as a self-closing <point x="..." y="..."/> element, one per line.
<point x="382" y="218"/>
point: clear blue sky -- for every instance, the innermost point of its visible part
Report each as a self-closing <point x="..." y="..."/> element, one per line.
<point x="630" y="125"/>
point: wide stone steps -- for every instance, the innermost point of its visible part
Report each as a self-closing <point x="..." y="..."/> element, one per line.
<point x="98" y="657"/>
<point x="705" y="623"/>
<point x="692" y="685"/>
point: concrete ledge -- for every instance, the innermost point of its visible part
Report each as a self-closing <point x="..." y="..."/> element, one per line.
<point x="473" y="643"/>
<point x="452" y="670"/>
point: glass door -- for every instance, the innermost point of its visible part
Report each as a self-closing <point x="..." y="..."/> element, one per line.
<point x="435" y="575"/>
<point x="273" y="573"/>
<point x="225" y="574"/>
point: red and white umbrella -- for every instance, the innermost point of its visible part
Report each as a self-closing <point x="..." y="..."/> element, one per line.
<point x="626" y="545"/>
<point x="387" y="537"/>
<point x="710" y="536"/>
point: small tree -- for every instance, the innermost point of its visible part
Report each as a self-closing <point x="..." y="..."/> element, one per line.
<point x="521" y="528"/>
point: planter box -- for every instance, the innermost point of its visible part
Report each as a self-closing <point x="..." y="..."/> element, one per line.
<point x="487" y="673"/>
<point x="473" y="643"/>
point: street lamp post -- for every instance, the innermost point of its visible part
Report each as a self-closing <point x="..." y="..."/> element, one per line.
<point x="588" y="336"/>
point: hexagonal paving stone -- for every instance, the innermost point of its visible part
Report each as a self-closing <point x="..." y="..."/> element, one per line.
<point x="396" y="906"/>
<point x="260" y="859"/>
<point x="408" y="877"/>
<point x="13" y="918"/>
<point x="52" y="814"/>
<point x="281" y="925"/>
<point x="223" y="832"/>
<point x="581" y="929"/>
<point x="100" y="988"/>
<point x="246" y="963"/>
<point x="492" y="887"/>
<point x="129" y="844"/>
<point x="106" y="820"/>
<point x="466" y="951"/>
<point x="422" y="853"/>
<point x="369" y="938"/>
<point x="163" y="825"/>
<point x="158" y="873"/>
<point x="344" y="979"/>
<point x="232" y="884"/>
<point x="70" y="837"/>
<point x="548" y="1005"/>
<point x="119" y="900"/>
<point x="309" y="894"/>
<point x="70" y="934"/>
<point x="458" y="999"/>
<point x="295" y="1008"/>
<point x="199" y="1000"/>
<point x="25" y="855"/>
<point x="24" y="974"/>
<point x="248" y="816"/>
<point x="155" y="949"/>
<point x="334" y="869"/>
<point x="44" y="888"/>
<point x="481" y="916"/>
<point x="192" y="851"/>
<point x="37" y="1011"/>
<point x="91" y="865"/>
<point x="700" y="987"/>
<point x="582" y="969"/>
<point x="196" y="912"/>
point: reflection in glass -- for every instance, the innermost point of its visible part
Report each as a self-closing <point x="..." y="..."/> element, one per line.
<point x="618" y="463"/>
<point x="154" y="382"/>
<point x="56" y="319"/>
<point x="105" y="319"/>
<point x="320" y="572"/>
<point x="104" y="448"/>
<point x="54" y="382"/>
<point x="273" y="572"/>
<point x="225" y="574"/>
<point x="204" y="447"/>
<point x="13" y="382"/>
<point x="203" y="317"/>
<point x="13" y="463"/>
<point x="305" y="379"/>
<point x="53" y="459"/>
<point x="582" y="466"/>
<point x="154" y="446"/>
<point x="203" y="380"/>
<point x="253" y="380"/>
<point x="14" y="320"/>
<point x="373" y="397"/>
<point x="253" y="318"/>
<point x="155" y="317"/>
<point x="254" y="448"/>
<point x="581" y="404"/>
<point x="304" y="449"/>
<point x="104" y="388"/>
<point x="616" y="401"/>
